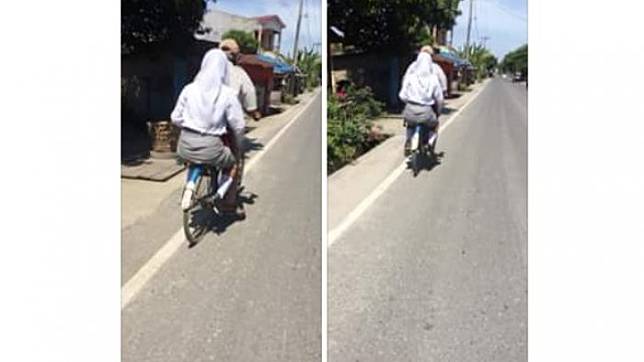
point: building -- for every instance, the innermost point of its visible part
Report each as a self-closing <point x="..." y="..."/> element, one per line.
<point x="269" y="35"/>
<point x="152" y="82"/>
<point x="266" y="29"/>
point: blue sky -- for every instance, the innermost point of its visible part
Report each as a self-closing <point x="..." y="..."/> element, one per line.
<point x="287" y="10"/>
<point x="503" y="21"/>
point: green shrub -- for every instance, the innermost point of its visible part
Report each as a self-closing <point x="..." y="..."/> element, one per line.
<point x="462" y="87"/>
<point x="362" y="101"/>
<point x="349" y="126"/>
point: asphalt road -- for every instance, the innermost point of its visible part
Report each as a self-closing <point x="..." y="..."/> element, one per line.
<point x="251" y="292"/>
<point x="436" y="268"/>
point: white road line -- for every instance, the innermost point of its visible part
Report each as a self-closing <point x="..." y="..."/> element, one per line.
<point x="270" y="143"/>
<point x="133" y="286"/>
<point x="388" y="181"/>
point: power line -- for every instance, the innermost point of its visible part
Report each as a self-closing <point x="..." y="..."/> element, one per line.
<point x="512" y="14"/>
<point x="506" y="10"/>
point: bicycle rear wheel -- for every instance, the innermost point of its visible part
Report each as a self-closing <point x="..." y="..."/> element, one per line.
<point x="197" y="218"/>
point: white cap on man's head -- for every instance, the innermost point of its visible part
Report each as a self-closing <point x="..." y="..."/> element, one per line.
<point x="427" y="49"/>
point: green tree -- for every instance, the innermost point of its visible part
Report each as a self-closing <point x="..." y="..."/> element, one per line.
<point x="310" y="63"/>
<point x="481" y="58"/>
<point x="516" y="60"/>
<point x="246" y="40"/>
<point x="149" y="25"/>
<point x="390" y="26"/>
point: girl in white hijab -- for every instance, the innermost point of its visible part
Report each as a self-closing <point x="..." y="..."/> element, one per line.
<point x="206" y="110"/>
<point x="422" y="94"/>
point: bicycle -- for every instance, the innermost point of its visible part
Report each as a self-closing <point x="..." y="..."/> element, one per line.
<point x="421" y="150"/>
<point x="205" y="188"/>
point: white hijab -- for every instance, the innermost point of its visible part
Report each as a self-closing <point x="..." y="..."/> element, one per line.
<point x="206" y="86"/>
<point x="419" y="81"/>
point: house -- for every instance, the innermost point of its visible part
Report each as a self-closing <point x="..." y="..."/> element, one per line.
<point x="266" y="29"/>
<point x="153" y="81"/>
<point x="269" y="35"/>
<point x="383" y="72"/>
<point x="379" y="71"/>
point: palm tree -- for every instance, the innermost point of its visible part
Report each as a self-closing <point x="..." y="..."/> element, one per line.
<point x="481" y="58"/>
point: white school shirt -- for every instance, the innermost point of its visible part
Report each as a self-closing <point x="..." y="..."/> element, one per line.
<point x="227" y="112"/>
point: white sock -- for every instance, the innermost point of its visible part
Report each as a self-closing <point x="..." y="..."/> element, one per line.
<point x="187" y="196"/>
<point x="432" y="138"/>
<point x="224" y="184"/>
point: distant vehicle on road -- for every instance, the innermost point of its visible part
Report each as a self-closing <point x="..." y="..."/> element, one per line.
<point x="518" y="77"/>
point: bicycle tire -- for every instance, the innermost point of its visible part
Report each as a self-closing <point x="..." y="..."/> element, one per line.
<point x="195" y="223"/>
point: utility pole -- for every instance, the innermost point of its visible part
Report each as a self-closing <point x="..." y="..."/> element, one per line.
<point x="292" y="86"/>
<point x="297" y="33"/>
<point x="469" y="28"/>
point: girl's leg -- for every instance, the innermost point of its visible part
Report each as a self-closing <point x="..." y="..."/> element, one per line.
<point x="408" y="135"/>
<point x="230" y="203"/>
<point x="194" y="173"/>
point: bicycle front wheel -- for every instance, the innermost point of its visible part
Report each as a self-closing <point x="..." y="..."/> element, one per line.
<point x="196" y="219"/>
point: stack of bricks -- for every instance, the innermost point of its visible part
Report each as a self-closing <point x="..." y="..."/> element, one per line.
<point x="164" y="136"/>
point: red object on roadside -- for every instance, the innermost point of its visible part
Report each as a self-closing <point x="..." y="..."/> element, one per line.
<point x="448" y="69"/>
<point x="261" y="73"/>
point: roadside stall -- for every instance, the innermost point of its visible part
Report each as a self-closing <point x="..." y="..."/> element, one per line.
<point x="261" y="73"/>
<point x="459" y="71"/>
<point x="282" y="73"/>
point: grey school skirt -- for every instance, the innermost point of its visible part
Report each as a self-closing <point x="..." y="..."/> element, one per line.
<point x="204" y="149"/>
<point x="414" y="113"/>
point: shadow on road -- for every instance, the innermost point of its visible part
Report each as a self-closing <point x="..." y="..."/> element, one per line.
<point x="251" y="144"/>
<point x="427" y="163"/>
<point x="448" y="110"/>
<point x="219" y="223"/>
